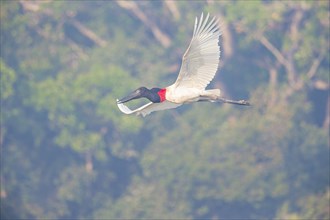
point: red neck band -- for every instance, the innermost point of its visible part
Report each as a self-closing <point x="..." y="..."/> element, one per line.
<point x="162" y="95"/>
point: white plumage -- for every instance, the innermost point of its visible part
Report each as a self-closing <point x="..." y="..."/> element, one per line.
<point x="200" y="61"/>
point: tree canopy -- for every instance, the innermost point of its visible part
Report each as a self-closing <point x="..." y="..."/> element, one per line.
<point x="68" y="152"/>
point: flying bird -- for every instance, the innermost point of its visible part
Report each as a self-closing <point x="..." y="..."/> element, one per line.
<point x="199" y="66"/>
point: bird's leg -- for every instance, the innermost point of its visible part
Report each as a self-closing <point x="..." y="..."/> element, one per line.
<point x="219" y="99"/>
<point x="240" y="102"/>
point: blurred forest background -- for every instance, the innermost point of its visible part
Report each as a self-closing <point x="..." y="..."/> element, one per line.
<point x="68" y="152"/>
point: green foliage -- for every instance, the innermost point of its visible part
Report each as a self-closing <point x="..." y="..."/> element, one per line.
<point x="68" y="152"/>
<point x="315" y="206"/>
<point x="8" y="78"/>
<point x="142" y="200"/>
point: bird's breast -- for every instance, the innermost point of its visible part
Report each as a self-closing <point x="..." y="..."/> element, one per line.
<point x="181" y="95"/>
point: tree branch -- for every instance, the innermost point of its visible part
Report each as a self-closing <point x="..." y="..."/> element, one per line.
<point x="295" y="39"/>
<point x="321" y="85"/>
<point x="227" y="41"/>
<point x="272" y="85"/>
<point x="134" y="8"/>
<point x="278" y="55"/>
<point x="88" y="33"/>
<point x="288" y="60"/>
<point x="315" y="65"/>
<point x="171" y="5"/>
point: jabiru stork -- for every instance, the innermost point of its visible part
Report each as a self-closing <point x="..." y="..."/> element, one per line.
<point x="199" y="65"/>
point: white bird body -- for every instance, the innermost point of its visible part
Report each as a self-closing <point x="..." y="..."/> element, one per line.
<point x="199" y="66"/>
<point x="184" y="95"/>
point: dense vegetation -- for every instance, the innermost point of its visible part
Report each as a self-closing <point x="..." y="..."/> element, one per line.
<point x="68" y="152"/>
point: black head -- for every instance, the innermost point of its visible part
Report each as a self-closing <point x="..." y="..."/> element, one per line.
<point x="142" y="92"/>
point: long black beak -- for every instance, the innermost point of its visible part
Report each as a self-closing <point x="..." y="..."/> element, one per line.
<point x="133" y="95"/>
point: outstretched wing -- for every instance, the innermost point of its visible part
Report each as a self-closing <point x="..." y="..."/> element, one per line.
<point x="148" y="108"/>
<point x="200" y="61"/>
